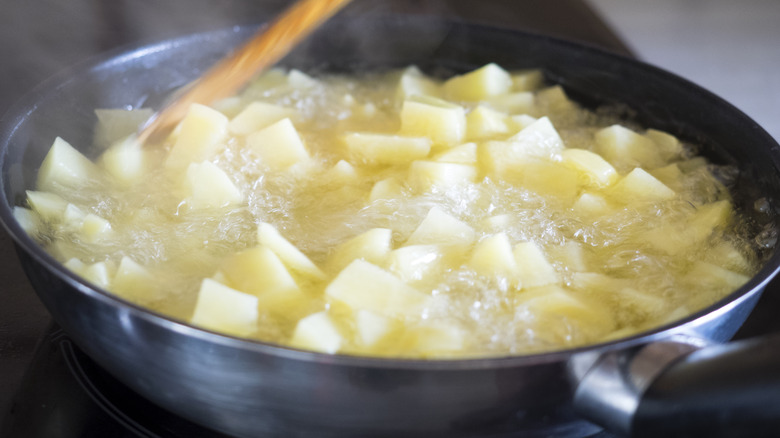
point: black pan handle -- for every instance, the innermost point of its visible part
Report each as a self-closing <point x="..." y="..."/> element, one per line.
<point x="729" y="390"/>
<point x="675" y="389"/>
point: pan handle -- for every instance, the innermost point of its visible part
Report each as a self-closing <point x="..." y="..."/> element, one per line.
<point x="677" y="389"/>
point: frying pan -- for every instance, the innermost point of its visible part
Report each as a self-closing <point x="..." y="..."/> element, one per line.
<point x="679" y="378"/>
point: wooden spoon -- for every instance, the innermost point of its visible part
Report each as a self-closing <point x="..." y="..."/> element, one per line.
<point x="225" y="78"/>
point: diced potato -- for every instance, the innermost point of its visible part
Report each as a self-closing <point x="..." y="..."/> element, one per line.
<point x="225" y="310"/>
<point x="260" y="272"/>
<point x="715" y="276"/>
<point x="540" y="139"/>
<point x="639" y="185"/>
<point x="439" y="227"/>
<point x="493" y="256"/>
<point x="570" y="255"/>
<point x="342" y="173"/>
<point x="300" y="80"/>
<point x="554" y="100"/>
<point x="99" y="274"/>
<point x="463" y="154"/>
<point x="674" y="238"/>
<point x="388" y="188"/>
<point x="424" y="175"/>
<point x="114" y="124"/>
<point x="512" y="103"/>
<point x="229" y="106"/>
<point x="372" y="246"/>
<point x="279" y="145"/>
<point x="596" y="170"/>
<point x="29" y="220"/>
<point x="669" y="147"/>
<point x="479" y="84"/>
<point x="496" y="223"/>
<point x="437" y="338"/>
<point x="362" y="285"/>
<point x="533" y="268"/>
<point x="414" y="83"/>
<point x="95" y="228"/>
<point x="271" y="79"/>
<point x="317" y="332"/>
<point x="125" y="161"/>
<point x="258" y="115"/>
<point x="565" y="315"/>
<point x="73" y="216"/>
<point x="290" y="255"/>
<point x="134" y="282"/>
<point x="371" y="327"/>
<point x="201" y="134"/>
<point x="49" y="206"/>
<point x="625" y="148"/>
<point x="551" y="179"/>
<point x="527" y="80"/>
<point x="381" y="149"/>
<point x="670" y="175"/>
<point x="483" y="122"/>
<point x="414" y="262"/>
<point x="65" y="168"/>
<point x="591" y="204"/>
<point x="728" y="256"/>
<point x="519" y="122"/>
<point x="443" y="122"/>
<point x="208" y="186"/>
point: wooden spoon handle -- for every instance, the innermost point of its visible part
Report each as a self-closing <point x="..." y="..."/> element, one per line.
<point x="229" y="75"/>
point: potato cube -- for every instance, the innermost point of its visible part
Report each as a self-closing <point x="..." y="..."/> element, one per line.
<point x="415" y="262"/>
<point x="115" y="124"/>
<point x="424" y="175"/>
<point x="640" y="186"/>
<point x="703" y="273"/>
<point x="342" y="173"/>
<point x="372" y="246"/>
<point x="497" y="222"/>
<point x="279" y="145"/>
<point x="229" y="106"/>
<point x="290" y="255"/>
<point x="208" y="186"/>
<point x="99" y="274"/>
<point x="493" y="257"/>
<point x="260" y="272"/>
<point x="225" y="310"/>
<point x="362" y="285"/>
<point x="436" y="338"/>
<point x="591" y="204"/>
<point x="414" y="83"/>
<point x="539" y="139"/>
<point x="134" y="282"/>
<point x="518" y="122"/>
<point x="371" y="327"/>
<point x="125" y="161"/>
<point x="94" y="228"/>
<point x="596" y="170"/>
<point x="670" y="175"/>
<point x="463" y="154"/>
<point x="300" y="80"/>
<point x="65" y="168"/>
<point x="571" y="256"/>
<point x="388" y="188"/>
<point x="258" y="115"/>
<point x="669" y="147"/>
<point x="29" y="220"/>
<point x="483" y="122"/>
<point x="201" y="134"/>
<point x="382" y="149"/>
<point x="443" y="122"/>
<point x="551" y="179"/>
<point x="527" y="80"/>
<point x="532" y="265"/>
<point x="439" y="227"/>
<point x="554" y="100"/>
<point x="479" y="84"/>
<point x="49" y="206"/>
<point x="625" y="148"/>
<point x="512" y="103"/>
<point x="317" y="332"/>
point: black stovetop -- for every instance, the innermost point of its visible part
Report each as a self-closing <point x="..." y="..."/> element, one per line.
<point x="54" y="390"/>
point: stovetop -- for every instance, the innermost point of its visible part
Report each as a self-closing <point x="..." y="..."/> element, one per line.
<point x="54" y="390"/>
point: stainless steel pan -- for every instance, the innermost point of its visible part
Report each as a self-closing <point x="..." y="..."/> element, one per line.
<point x="250" y="388"/>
